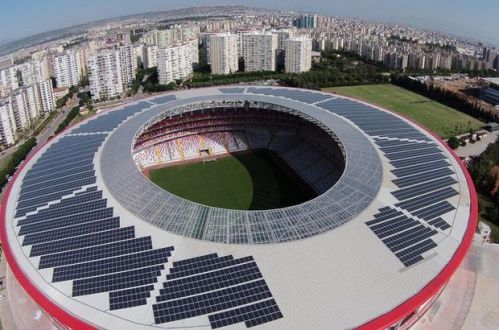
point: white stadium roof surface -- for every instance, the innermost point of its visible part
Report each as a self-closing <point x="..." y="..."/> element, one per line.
<point x="97" y="245"/>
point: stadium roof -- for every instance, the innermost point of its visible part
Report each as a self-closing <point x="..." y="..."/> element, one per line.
<point x="493" y="81"/>
<point x="96" y="244"/>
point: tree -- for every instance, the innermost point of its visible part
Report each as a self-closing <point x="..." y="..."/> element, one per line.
<point x="453" y="142"/>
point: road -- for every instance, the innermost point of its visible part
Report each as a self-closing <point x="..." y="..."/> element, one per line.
<point x="475" y="149"/>
<point x="45" y="134"/>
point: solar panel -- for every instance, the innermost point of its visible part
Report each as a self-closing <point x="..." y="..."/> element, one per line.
<point x="208" y="284"/>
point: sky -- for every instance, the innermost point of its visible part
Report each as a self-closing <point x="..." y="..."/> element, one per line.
<point x="478" y="19"/>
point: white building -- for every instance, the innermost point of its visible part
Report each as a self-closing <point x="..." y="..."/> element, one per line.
<point x="150" y="56"/>
<point x="259" y="51"/>
<point x="9" y="78"/>
<point x="138" y="55"/>
<point x="25" y="106"/>
<point x="127" y="64"/>
<point x="176" y="63"/>
<point x="298" y="55"/>
<point x="104" y="74"/>
<point x="22" y="107"/>
<point x="223" y="53"/>
<point x="46" y="93"/>
<point x="31" y="72"/>
<point x="7" y="124"/>
<point x="67" y="69"/>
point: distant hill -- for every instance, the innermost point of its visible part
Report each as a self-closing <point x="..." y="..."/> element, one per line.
<point x="9" y="46"/>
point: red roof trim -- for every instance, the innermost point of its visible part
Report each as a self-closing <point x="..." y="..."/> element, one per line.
<point x="433" y="287"/>
<point x="62" y="315"/>
<point x="381" y="322"/>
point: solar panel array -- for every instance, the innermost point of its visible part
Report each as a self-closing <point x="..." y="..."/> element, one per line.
<point x="163" y="99"/>
<point x="424" y="179"/>
<point x="108" y="122"/>
<point x="232" y="90"/>
<point x="63" y="216"/>
<point x="351" y="194"/>
<point x="65" y="219"/>
<point x="228" y="290"/>
<point x="293" y="94"/>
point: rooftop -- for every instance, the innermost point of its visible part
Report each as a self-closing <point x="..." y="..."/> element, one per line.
<point x="94" y="242"/>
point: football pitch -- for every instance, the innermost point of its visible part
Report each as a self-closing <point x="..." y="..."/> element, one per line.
<point x="435" y="116"/>
<point x="254" y="180"/>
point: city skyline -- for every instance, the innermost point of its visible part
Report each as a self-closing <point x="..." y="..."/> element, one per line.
<point x="460" y="19"/>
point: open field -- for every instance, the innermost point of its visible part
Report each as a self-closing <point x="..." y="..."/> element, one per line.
<point x="247" y="181"/>
<point x="435" y="116"/>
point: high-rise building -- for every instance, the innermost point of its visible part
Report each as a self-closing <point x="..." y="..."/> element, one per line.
<point x="104" y="74"/>
<point x="259" y="51"/>
<point x="223" y="53"/>
<point x="205" y="41"/>
<point x="22" y="107"/>
<point x="305" y="22"/>
<point x="46" y="93"/>
<point x="176" y="63"/>
<point x="298" y="55"/>
<point x="240" y="35"/>
<point x="282" y="36"/>
<point x="7" y="123"/>
<point x="9" y="77"/>
<point x="30" y="73"/>
<point x="127" y="64"/>
<point x="138" y="55"/>
<point x="150" y="56"/>
<point x="67" y="69"/>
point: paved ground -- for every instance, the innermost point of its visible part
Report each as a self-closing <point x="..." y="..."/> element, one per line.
<point x="7" y="320"/>
<point x="475" y="149"/>
<point x="470" y="300"/>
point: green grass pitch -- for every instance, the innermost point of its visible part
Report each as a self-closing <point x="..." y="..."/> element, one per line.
<point x="435" y="116"/>
<point x="249" y="181"/>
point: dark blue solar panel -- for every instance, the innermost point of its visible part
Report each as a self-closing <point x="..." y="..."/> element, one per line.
<point x="163" y="99"/>
<point x="401" y="172"/>
<point x="84" y="241"/>
<point x="298" y="95"/>
<point x="422" y="188"/>
<point x="70" y="220"/>
<point x="130" y="297"/>
<point x="428" y="199"/>
<point x="251" y="315"/>
<point x="439" y="223"/>
<point x="209" y="284"/>
<point x="187" y="262"/>
<point x="96" y="252"/>
<point x="58" y="212"/>
<point x="427" y="176"/>
<point x="117" y="281"/>
<point x="231" y="90"/>
<point x="112" y="265"/>
<point x="416" y="160"/>
<point x="211" y="302"/>
<point x="108" y="122"/>
<point x="60" y="233"/>
<point x="435" y="210"/>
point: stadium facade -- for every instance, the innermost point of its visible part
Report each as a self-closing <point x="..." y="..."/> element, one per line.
<point x="95" y="244"/>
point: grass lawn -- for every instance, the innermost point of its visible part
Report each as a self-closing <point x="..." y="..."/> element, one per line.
<point x="437" y="117"/>
<point x="249" y="181"/>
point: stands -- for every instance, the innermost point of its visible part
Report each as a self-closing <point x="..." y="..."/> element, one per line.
<point x="309" y="150"/>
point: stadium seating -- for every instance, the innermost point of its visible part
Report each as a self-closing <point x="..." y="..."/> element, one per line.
<point x="310" y="151"/>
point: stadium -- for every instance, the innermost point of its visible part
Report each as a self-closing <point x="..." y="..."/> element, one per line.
<point x="236" y="207"/>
